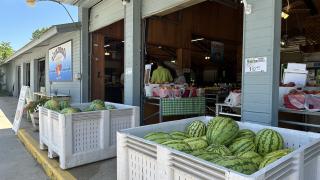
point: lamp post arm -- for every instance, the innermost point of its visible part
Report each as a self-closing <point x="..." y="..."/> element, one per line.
<point x="65" y="8"/>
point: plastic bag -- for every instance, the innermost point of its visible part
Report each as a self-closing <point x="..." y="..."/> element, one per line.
<point x="312" y="102"/>
<point x="233" y="99"/>
<point x="294" y="101"/>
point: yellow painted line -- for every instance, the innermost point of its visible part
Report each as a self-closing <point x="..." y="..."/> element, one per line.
<point x="4" y="121"/>
<point x="50" y="166"/>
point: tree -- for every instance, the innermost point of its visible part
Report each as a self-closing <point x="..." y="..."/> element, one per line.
<point x="5" y="51"/>
<point x="37" y="33"/>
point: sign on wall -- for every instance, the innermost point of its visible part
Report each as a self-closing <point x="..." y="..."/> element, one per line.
<point x="256" y="64"/>
<point x="60" y="62"/>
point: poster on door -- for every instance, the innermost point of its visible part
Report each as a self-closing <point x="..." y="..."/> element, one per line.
<point x="60" y="62"/>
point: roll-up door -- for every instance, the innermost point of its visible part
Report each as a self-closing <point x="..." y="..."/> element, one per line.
<point x="105" y="13"/>
<point x="162" y="7"/>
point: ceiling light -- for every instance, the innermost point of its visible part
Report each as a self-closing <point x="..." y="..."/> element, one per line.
<point x="198" y="39"/>
<point x="107" y="45"/>
<point x="284" y="15"/>
<point x="159" y="47"/>
<point x="207" y="57"/>
<point x="107" y="53"/>
<point x="173" y="61"/>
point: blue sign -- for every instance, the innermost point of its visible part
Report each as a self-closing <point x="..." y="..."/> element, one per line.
<point x="60" y="62"/>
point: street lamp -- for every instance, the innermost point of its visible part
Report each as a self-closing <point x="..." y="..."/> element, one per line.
<point x="32" y="3"/>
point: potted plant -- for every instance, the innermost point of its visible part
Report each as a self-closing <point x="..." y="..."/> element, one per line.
<point x="32" y="109"/>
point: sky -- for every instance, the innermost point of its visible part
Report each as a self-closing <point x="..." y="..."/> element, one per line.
<point x="18" y="20"/>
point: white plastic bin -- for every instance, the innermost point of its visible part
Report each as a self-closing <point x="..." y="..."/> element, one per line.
<point x="84" y="137"/>
<point x="140" y="159"/>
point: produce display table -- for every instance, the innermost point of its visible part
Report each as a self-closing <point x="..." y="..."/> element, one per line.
<point x="301" y="112"/>
<point x="220" y="110"/>
<point x="58" y="96"/>
<point x="177" y="106"/>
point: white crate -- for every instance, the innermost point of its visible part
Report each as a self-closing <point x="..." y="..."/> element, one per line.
<point x="140" y="159"/>
<point x="84" y="137"/>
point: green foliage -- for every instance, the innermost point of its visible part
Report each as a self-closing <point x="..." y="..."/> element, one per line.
<point x="5" y="51"/>
<point x="38" y="32"/>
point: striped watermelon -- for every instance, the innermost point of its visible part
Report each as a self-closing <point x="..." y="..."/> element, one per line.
<point x="219" y="149"/>
<point x="179" y="135"/>
<point x="268" y="140"/>
<point x="196" y="129"/>
<point x="243" y="145"/>
<point x="223" y="131"/>
<point x="273" y="156"/>
<point x="242" y="165"/>
<point x="178" y="145"/>
<point x="198" y="152"/>
<point x="209" y="156"/>
<point x="246" y="133"/>
<point x="162" y="140"/>
<point x="196" y="143"/>
<point x="253" y="156"/>
<point x="157" y="135"/>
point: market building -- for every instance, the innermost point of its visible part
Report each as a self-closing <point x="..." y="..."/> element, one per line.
<point x="30" y="65"/>
<point x="181" y="31"/>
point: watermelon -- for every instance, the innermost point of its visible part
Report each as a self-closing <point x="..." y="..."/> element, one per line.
<point x="52" y="104"/>
<point x="198" y="152"/>
<point x="219" y="149"/>
<point x="196" y="143"/>
<point x="208" y="156"/>
<point x="70" y="110"/>
<point x="223" y="131"/>
<point x="242" y="165"/>
<point x="97" y="107"/>
<point x="196" y="129"/>
<point x="161" y="140"/>
<point x="281" y="152"/>
<point x="245" y="133"/>
<point x="179" y="135"/>
<point x="253" y="156"/>
<point x="268" y="140"/>
<point x="157" y="135"/>
<point x="273" y="156"/>
<point x="110" y="106"/>
<point x="178" y="145"/>
<point x="243" y="145"/>
<point x="98" y="101"/>
<point x="64" y="104"/>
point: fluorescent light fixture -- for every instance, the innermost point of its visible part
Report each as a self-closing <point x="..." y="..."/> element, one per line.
<point x="284" y="15"/>
<point x="198" y="39"/>
<point x="107" y="53"/>
<point x="107" y="45"/>
<point x="122" y="41"/>
<point x="173" y="61"/>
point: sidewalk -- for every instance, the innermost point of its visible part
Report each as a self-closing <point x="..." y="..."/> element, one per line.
<point x="16" y="163"/>
<point x="102" y="170"/>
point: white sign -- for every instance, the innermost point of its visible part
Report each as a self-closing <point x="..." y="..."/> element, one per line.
<point x="256" y="64"/>
<point x="20" y="108"/>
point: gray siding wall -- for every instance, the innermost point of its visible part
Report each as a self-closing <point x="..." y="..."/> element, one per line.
<point x="42" y="53"/>
<point x="261" y="38"/>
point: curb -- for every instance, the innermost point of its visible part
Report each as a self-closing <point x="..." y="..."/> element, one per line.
<point x="51" y="167"/>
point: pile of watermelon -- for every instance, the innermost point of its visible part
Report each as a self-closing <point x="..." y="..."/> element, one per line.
<point x="223" y="143"/>
<point x="97" y="105"/>
<point x="62" y="106"/>
<point x="65" y="108"/>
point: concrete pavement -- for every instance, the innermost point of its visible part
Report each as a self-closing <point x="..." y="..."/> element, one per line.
<point x="15" y="162"/>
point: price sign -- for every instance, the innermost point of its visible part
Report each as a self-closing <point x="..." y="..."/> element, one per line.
<point x="256" y="64"/>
